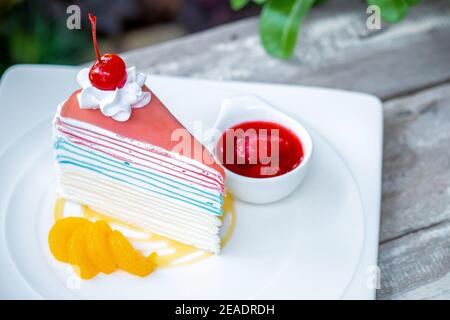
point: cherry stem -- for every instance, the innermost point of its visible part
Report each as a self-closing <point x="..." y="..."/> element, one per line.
<point x="93" y="20"/>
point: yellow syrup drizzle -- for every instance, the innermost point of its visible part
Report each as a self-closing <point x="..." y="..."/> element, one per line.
<point x="230" y="212"/>
<point x="180" y="252"/>
<point x="59" y="208"/>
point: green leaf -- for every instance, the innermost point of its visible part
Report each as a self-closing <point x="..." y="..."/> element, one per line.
<point x="238" y="4"/>
<point x="279" y="25"/>
<point x="259" y="1"/>
<point x="319" y="2"/>
<point x="391" y="10"/>
<point x="412" y="2"/>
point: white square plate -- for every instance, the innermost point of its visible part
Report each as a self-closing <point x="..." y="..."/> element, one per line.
<point x="320" y="242"/>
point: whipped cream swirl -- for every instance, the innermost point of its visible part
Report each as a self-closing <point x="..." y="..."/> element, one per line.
<point x="118" y="103"/>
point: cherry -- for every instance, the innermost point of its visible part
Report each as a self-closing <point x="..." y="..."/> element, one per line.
<point x="109" y="71"/>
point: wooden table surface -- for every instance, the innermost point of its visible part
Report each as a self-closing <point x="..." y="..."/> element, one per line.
<point x="407" y="65"/>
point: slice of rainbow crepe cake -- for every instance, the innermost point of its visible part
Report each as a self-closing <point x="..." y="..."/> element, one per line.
<point x="115" y="153"/>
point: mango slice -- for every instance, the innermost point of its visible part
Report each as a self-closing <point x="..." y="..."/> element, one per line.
<point x="128" y="258"/>
<point x="59" y="236"/>
<point x="98" y="248"/>
<point x="94" y="247"/>
<point x="78" y="256"/>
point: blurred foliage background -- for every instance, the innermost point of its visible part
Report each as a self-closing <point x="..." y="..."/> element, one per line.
<point x="34" y="31"/>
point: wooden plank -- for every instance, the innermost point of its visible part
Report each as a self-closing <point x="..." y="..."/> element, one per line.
<point x="336" y="50"/>
<point x="416" y="266"/>
<point x="414" y="254"/>
<point x="416" y="174"/>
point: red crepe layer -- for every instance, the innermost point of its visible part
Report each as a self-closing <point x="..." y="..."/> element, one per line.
<point x="152" y="124"/>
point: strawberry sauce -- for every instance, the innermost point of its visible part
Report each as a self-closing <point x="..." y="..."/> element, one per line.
<point x="259" y="149"/>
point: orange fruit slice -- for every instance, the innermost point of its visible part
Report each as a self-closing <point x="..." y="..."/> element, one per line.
<point x="128" y="258"/>
<point x="59" y="236"/>
<point x="98" y="248"/>
<point x="78" y="256"/>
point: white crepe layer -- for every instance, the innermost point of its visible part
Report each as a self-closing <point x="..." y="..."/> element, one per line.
<point x="144" y="185"/>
